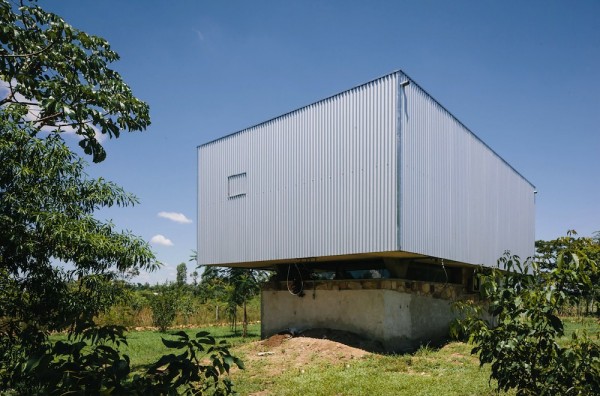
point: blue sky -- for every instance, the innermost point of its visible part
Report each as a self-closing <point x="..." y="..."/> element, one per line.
<point x="523" y="75"/>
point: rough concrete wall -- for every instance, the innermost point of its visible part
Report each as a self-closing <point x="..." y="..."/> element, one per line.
<point x="400" y="320"/>
<point x="352" y="310"/>
<point x="412" y="320"/>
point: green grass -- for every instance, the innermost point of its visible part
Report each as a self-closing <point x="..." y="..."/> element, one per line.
<point x="146" y="347"/>
<point x="450" y="370"/>
<point x="591" y="326"/>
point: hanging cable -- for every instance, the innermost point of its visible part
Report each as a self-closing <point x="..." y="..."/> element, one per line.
<point x="300" y="282"/>
<point x="446" y="273"/>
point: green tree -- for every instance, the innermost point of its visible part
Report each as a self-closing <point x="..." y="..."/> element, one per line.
<point x="548" y="253"/>
<point x="213" y="288"/>
<point x="59" y="78"/>
<point x="181" y="275"/>
<point x="55" y="78"/>
<point x="46" y="211"/>
<point x="245" y="284"/>
<point x="164" y="307"/>
<point x="234" y="286"/>
<point x="519" y="340"/>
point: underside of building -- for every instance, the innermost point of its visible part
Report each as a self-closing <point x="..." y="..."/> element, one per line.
<point x="400" y="302"/>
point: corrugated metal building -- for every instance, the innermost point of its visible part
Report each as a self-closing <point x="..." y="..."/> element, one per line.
<point x="379" y="171"/>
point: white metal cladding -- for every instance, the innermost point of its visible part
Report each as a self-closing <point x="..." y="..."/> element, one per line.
<point x="459" y="200"/>
<point x="379" y="168"/>
<point x="320" y="181"/>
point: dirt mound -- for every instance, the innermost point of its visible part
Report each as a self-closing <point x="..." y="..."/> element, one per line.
<point x="282" y="352"/>
<point x="276" y="340"/>
<point x="345" y="337"/>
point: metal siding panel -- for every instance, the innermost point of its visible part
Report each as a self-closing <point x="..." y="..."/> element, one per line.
<point x="362" y="172"/>
<point x="321" y="181"/>
<point x="460" y="201"/>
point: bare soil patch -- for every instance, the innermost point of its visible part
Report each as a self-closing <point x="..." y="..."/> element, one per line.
<point x="345" y="337"/>
<point x="282" y="352"/>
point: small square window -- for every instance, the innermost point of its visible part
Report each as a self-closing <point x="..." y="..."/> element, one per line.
<point x="236" y="185"/>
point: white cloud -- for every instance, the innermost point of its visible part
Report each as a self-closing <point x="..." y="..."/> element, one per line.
<point x="161" y="240"/>
<point x="199" y="34"/>
<point x="176" y="217"/>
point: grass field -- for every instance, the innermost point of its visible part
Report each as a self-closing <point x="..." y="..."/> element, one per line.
<point x="146" y="347"/>
<point x="450" y="370"/>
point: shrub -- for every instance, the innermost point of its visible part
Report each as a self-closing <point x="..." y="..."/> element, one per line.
<point x="520" y="342"/>
<point x="90" y="363"/>
<point x="164" y="309"/>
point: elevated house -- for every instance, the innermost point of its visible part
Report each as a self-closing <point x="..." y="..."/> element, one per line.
<point x="373" y="206"/>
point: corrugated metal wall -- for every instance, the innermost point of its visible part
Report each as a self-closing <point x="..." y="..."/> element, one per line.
<point x="459" y="200"/>
<point x="381" y="167"/>
<point x="320" y="181"/>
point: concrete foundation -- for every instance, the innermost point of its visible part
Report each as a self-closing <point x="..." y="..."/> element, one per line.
<point x="400" y="314"/>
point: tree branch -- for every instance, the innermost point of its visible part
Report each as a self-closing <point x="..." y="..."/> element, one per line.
<point x="27" y="55"/>
<point x="39" y="120"/>
<point x="10" y="97"/>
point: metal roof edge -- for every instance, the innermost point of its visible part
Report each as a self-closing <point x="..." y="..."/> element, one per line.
<point x="398" y="72"/>
<point x="466" y="128"/>
<point x="300" y="108"/>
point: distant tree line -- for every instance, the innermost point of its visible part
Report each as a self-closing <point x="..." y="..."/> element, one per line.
<point x="218" y="295"/>
<point x="549" y="253"/>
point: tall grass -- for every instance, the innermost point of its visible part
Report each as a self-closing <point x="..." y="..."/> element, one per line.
<point x="210" y="313"/>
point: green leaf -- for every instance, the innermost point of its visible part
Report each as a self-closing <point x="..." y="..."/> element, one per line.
<point x="556" y="323"/>
<point x="177" y="344"/>
<point x="182" y="334"/>
<point x="239" y="363"/>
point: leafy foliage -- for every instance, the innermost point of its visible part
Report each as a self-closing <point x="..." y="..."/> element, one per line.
<point x="236" y="286"/>
<point x="188" y="369"/>
<point x="46" y="209"/>
<point x="164" y="308"/>
<point x="59" y="77"/>
<point x="547" y="255"/>
<point x="135" y="309"/>
<point x="90" y="363"/>
<point x="519" y="338"/>
<point x="58" y="264"/>
<point x="181" y="278"/>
